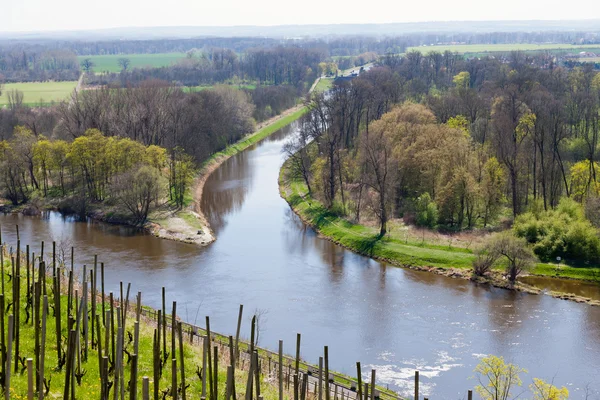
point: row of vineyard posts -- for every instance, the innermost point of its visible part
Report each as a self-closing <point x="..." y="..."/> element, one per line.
<point x="96" y="326"/>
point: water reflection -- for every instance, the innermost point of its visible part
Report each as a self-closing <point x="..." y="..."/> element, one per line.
<point x="394" y="319"/>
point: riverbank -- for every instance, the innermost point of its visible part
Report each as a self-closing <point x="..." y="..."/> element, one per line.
<point x="145" y="338"/>
<point x="403" y="250"/>
<point x="264" y="130"/>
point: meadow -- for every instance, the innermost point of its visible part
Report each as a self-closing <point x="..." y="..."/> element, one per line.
<point x="36" y="92"/>
<point x="480" y="48"/>
<point x="110" y="62"/>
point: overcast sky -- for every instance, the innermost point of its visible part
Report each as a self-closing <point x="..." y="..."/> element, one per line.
<point x="44" y="15"/>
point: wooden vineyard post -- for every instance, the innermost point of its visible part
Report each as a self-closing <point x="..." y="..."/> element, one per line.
<point x="257" y="373"/>
<point x="230" y="383"/>
<point x="280" y="367"/>
<point x="416" y="385"/>
<point x="237" y="332"/>
<point x="372" y="384"/>
<point x="209" y="359"/>
<point x="164" y="324"/>
<point x="43" y="346"/>
<point x="173" y="330"/>
<point x="232" y="362"/>
<point x="250" y="379"/>
<point x="9" y="340"/>
<point x="297" y="366"/>
<point x="470" y="395"/>
<point x="159" y="329"/>
<point x="216" y="372"/>
<point x="174" y="378"/>
<point x="99" y="348"/>
<point x="69" y="367"/>
<point x="303" y="387"/>
<point x="327" y="391"/>
<point x="2" y="341"/>
<point x="138" y="312"/>
<point x="93" y="279"/>
<point x="205" y="350"/>
<point x="145" y="388"/>
<point x="133" y="377"/>
<point x="321" y="379"/>
<point x="181" y="361"/>
<point x="102" y="288"/>
<point x="37" y="321"/>
<point x="157" y="361"/>
<point x="30" y="372"/>
<point x="112" y="327"/>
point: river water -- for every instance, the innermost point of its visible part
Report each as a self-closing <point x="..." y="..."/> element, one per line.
<point x="391" y="319"/>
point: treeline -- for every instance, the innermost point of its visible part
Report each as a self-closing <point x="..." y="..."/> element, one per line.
<point x="37" y="64"/>
<point x="475" y="137"/>
<point x="93" y="168"/>
<point x="293" y="66"/>
<point x="155" y="113"/>
<point x="186" y="124"/>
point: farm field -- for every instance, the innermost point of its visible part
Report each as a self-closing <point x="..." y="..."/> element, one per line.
<point x="479" y="48"/>
<point x="33" y="92"/>
<point x="110" y="62"/>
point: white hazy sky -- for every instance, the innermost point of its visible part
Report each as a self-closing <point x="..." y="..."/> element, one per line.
<point x="44" y="15"/>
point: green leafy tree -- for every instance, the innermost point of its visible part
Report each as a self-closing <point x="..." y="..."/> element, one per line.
<point x="492" y="185"/>
<point x="462" y="80"/>
<point x="427" y="211"/>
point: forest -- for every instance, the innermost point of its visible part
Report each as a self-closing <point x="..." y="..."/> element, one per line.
<point x="454" y="144"/>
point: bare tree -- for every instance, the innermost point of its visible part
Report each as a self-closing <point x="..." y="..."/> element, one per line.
<point x="518" y="255"/>
<point x="299" y="154"/>
<point x="15" y="99"/>
<point x="261" y="320"/>
<point x="378" y="169"/>
<point x="138" y="190"/>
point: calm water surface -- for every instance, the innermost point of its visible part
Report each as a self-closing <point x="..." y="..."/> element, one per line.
<point x="392" y="319"/>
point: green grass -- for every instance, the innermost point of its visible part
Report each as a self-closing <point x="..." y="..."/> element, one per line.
<point x="255" y="137"/>
<point x="397" y="248"/>
<point x="364" y="240"/>
<point x="324" y="85"/>
<point x="480" y="48"/>
<point x="110" y="62"/>
<point x="33" y="92"/>
<point x="191" y="89"/>
<point x="90" y="382"/>
<point x="90" y="387"/>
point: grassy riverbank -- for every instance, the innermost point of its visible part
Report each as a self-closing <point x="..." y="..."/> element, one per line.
<point x="401" y="246"/>
<point x="189" y="346"/>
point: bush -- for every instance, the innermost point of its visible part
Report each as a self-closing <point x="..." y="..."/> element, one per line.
<point x="563" y="232"/>
<point x="484" y="261"/>
<point x="513" y="250"/>
<point x="427" y="211"/>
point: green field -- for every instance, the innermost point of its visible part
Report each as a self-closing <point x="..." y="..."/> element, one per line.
<point x="480" y="48"/>
<point x="33" y="92"/>
<point x="323" y="85"/>
<point x="110" y="62"/>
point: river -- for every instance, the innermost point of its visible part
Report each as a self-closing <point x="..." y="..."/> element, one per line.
<point x="389" y="318"/>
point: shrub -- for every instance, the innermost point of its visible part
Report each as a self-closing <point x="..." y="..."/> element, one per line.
<point x="427" y="211"/>
<point x="563" y="232"/>
<point x="484" y="261"/>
